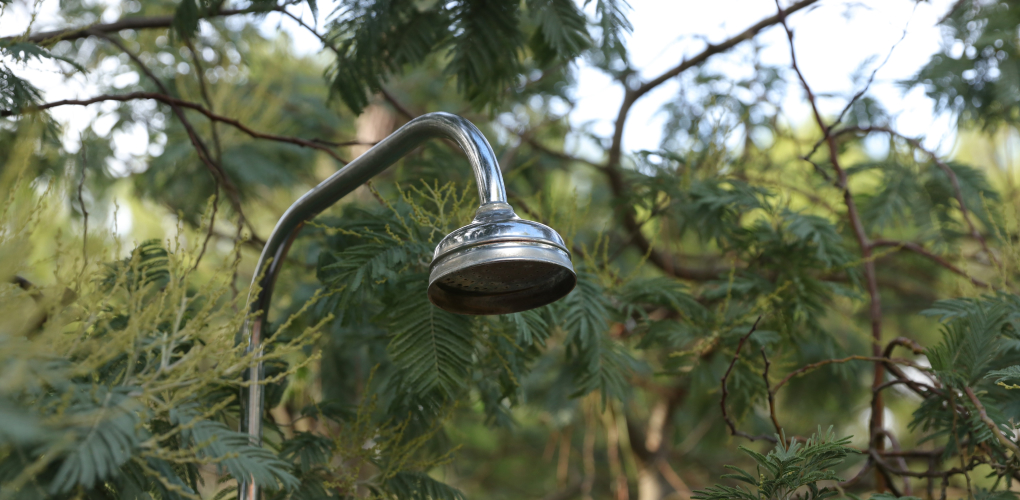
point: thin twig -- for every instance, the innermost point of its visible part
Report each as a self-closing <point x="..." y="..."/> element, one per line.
<point x="131" y="23"/>
<point x="215" y="170"/>
<point x="772" y="395"/>
<point x="835" y="361"/>
<point x="84" y="212"/>
<point x="860" y="474"/>
<point x="725" y="391"/>
<point x="173" y="101"/>
<point x="871" y="277"/>
<point x="907" y="489"/>
<point x="1008" y="443"/>
<point x="212" y="225"/>
<point x="203" y="88"/>
<point x="903" y="342"/>
<point x="918" y="249"/>
<point x="396" y="104"/>
<point x="874" y="455"/>
<point x="864" y="90"/>
<point x="728" y="44"/>
<point x="559" y="155"/>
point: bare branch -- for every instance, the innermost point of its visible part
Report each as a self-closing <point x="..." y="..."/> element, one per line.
<point x="212" y="225"/>
<point x="728" y="44"/>
<point x="84" y="212"/>
<point x="725" y="392"/>
<point x="871" y="277"/>
<point x="131" y="23"/>
<point x="396" y="104"/>
<point x="203" y="88"/>
<point x="918" y="249"/>
<point x="215" y="169"/>
<point x="772" y="395"/>
<point x="814" y="366"/>
<point x="559" y="155"/>
<point x="173" y="101"/>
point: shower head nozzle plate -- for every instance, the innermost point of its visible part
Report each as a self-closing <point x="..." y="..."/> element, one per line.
<point x="499" y="266"/>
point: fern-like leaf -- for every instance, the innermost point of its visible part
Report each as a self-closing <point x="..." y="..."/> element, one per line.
<point x="420" y="486"/>
<point x="102" y="445"/>
<point x="233" y="451"/>
<point x="562" y="26"/>
<point x="431" y="347"/>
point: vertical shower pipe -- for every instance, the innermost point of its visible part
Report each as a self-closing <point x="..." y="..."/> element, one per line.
<point x="491" y="194"/>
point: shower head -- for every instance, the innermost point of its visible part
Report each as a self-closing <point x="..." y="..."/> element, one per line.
<point x="500" y="264"/>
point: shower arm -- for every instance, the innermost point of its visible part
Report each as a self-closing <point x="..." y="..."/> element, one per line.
<point x="491" y="194"/>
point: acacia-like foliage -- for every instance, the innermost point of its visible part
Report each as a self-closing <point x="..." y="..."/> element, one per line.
<point x="748" y="275"/>
<point x="786" y="469"/>
<point x="976" y="75"/>
<point x="484" y="40"/>
<point x="376" y="280"/>
<point x="121" y="379"/>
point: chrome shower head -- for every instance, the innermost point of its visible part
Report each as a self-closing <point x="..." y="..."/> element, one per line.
<point x="500" y="264"/>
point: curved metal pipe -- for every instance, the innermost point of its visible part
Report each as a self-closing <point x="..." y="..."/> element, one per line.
<point x="347" y="179"/>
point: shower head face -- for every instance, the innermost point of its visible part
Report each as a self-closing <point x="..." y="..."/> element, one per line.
<point x="500" y="264"/>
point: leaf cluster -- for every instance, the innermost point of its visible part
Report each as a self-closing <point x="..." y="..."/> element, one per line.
<point x="786" y="469"/>
<point x="485" y="45"/>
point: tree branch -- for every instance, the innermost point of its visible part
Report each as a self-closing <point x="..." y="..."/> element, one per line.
<point x="538" y="146"/>
<point x="173" y="101"/>
<point x="131" y="23"/>
<point x="772" y="395"/>
<point x="712" y="50"/>
<point x="725" y="392"/>
<point x="875" y="303"/>
<point x="918" y="249"/>
<point x="814" y="366"/>
<point x="990" y="423"/>
<point x="612" y="168"/>
<point x="215" y="169"/>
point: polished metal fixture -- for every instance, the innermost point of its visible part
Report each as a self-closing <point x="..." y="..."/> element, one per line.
<point x="497" y="264"/>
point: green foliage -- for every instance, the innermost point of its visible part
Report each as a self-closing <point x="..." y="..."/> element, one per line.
<point x="481" y="43"/>
<point x="971" y="343"/>
<point x="787" y="468"/>
<point x="924" y="195"/>
<point x="431" y="347"/>
<point x="561" y="28"/>
<point x="978" y="346"/>
<point x="976" y="75"/>
<point x="437" y="356"/>
<point x="613" y="26"/>
<point x="115" y="383"/>
<point x="417" y="486"/>
<point x="119" y="371"/>
<point x="16" y="93"/>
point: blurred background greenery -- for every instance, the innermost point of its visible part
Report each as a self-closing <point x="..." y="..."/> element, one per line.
<point x="753" y="195"/>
